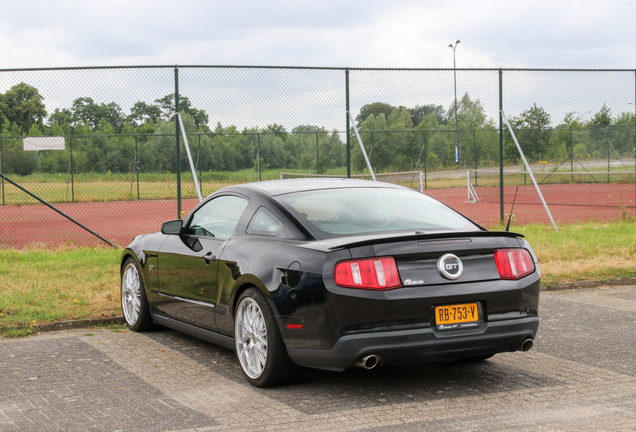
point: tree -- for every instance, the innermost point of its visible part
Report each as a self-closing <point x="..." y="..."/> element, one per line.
<point x="277" y="130"/>
<point x="420" y="111"/>
<point x="141" y="113"/>
<point x="388" y="141"/>
<point x="62" y="117"/>
<point x="86" y="110"/>
<point x="15" y="159"/>
<point x="113" y="114"/>
<point x="375" y="108"/>
<point x="601" y="136"/>
<point x="22" y="105"/>
<point x="534" y="127"/>
<point x="625" y="118"/>
<point x="166" y="104"/>
<point x="470" y="114"/>
<point x="603" y="117"/>
<point x="572" y="120"/>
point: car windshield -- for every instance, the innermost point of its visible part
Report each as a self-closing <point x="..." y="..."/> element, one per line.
<point x="353" y="211"/>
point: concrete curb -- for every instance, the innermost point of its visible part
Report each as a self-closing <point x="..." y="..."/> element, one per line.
<point x="81" y="323"/>
<point x="560" y="286"/>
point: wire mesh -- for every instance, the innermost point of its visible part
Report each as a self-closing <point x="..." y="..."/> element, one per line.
<point x="119" y="170"/>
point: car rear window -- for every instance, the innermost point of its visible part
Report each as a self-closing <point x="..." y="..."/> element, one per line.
<point x="354" y="211"/>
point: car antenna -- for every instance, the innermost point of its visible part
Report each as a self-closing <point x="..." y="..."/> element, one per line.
<point x="512" y="208"/>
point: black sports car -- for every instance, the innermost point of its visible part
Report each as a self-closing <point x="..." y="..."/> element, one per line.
<point x="330" y="274"/>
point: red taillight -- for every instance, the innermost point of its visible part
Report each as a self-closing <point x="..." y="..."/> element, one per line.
<point x="513" y="263"/>
<point x="369" y="273"/>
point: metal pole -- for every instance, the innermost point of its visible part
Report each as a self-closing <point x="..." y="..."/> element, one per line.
<point x="178" y="144"/>
<point x="347" y="123"/>
<point x="317" y="156"/>
<point x="501" y="157"/>
<point x="2" y="167"/>
<point x="258" y="157"/>
<point x="477" y="155"/>
<point x="137" y="165"/>
<point x="70" y="144"/>
<point x="525" y="162"/>
<point x="199" y="166"/>
<point x="454" y="47"/>
<point x="425" y="147"/>
<point x="571" y="155"/>
<point x="634" y="140"/>
<point x="58" y="211"/>
<point x="609" y="157"/>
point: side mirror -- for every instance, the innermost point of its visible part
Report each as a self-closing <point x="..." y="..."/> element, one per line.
<point x="172" y="227"/>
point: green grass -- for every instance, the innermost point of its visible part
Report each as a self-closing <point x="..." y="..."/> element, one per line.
<point x="42" y="285"/>
<point x="38" y="286"/>
<point x="584" y="251"/>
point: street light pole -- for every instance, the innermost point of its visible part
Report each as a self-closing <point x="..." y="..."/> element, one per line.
<point x="454" y="47"/>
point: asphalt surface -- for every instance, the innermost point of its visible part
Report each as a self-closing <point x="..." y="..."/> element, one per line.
<point x="581" y="376"/>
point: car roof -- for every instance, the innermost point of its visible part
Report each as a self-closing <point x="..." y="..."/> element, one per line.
<point x="281" y="187"/>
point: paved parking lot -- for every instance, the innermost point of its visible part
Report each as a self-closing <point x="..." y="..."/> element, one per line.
<point x="580" y="376"/>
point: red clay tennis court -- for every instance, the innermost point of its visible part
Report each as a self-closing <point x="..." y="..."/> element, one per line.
<point x="118" y="222"/>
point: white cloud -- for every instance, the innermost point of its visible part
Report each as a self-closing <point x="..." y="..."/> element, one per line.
<point x="400" y="33"/>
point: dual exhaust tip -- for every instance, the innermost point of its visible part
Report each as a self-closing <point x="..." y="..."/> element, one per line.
<point x="370" y="361"/>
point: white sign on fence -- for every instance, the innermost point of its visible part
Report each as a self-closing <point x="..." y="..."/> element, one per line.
<point x="43" y="143"/>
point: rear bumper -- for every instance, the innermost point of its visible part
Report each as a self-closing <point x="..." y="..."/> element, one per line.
<point x="423" y="344"/>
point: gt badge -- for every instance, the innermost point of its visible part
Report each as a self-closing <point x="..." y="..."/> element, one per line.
<point x="450" y="266"/>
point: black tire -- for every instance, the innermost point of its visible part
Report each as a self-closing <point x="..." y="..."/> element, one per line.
<point x="134" y="303"/>
<point x="259" y="347"/>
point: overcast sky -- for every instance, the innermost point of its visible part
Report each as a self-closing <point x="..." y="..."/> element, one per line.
<point x="389" y="33"/>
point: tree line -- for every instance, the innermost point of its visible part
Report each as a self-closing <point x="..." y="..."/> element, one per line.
<point x="397" y="138"/>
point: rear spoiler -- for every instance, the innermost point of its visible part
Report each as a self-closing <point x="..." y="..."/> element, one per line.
<point x="371" y="240"/>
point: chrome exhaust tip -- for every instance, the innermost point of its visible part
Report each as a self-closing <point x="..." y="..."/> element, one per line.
<point x="368" y="361"/>
<point x="526" y="345"/>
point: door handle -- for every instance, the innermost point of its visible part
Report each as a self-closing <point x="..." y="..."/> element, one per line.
<point x="209" y="257"/>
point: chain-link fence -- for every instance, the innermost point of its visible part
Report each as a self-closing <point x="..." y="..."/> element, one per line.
<point x="122" y="166"/>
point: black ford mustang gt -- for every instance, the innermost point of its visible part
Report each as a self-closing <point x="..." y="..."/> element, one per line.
<point x="330" y="274"/>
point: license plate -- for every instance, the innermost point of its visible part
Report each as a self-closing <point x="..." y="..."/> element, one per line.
<point x="457" y="316"/>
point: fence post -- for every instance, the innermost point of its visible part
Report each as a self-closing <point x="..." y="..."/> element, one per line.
<point x="2" y="167"/>
<point x="70" y="144"/>
<point x="178" y="143"/>
<point x="317" y="160"/>
<point x="347" y="123"/>
<point x="571" y="155"/>
<point x="136" y="167"/>
<point x="477" y="154"/>
<point x="425" y="147"/>
<point x="501" y="158"/>
<point x="609" y="157"/>
<point x="258" y="157"/>
<point x="199" y="166"/>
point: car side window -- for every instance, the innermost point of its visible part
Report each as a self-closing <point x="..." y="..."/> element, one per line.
<point x="218" y="217"/>
<point x="264" y="223"/>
